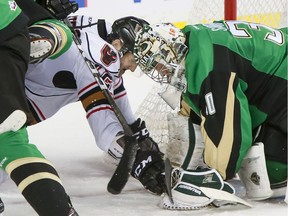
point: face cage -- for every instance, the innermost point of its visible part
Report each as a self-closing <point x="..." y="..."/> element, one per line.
<point x="158" y="71"/>
<point x="152" y="63"/>
<point x="162" y="72"/>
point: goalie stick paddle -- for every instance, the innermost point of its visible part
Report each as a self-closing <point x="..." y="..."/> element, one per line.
<point x="123" y="170"/>
<point x="223" y="195"/>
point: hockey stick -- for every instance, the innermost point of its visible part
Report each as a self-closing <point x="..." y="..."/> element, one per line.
<point x="168" y="171"/>
<point x="123" y="170"/>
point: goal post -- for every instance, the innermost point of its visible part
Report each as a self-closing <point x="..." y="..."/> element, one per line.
<point x="230" y="9"/>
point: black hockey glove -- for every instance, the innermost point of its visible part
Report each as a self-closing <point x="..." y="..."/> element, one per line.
<point x="146" y="143"/>
<point x="60" y="9"/>
<point x="149" y="170"/>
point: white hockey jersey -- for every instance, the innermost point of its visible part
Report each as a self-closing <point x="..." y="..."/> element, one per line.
<point x="54" y="83"/>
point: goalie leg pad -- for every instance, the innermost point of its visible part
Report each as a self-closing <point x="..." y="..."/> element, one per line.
<point x="253" y="174"/>
<point x="177" y="146"/>
<point x="179" y="149"/>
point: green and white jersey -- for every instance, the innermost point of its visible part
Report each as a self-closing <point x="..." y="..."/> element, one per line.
<point x="236" y="79"/>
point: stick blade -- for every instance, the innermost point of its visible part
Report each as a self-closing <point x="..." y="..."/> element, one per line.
<point x="168" y="170"/>
<point x="223" y="195"/>
<point x="123" y="170"/>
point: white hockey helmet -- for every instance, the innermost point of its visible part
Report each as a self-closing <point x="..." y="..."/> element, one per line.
<point x="159" y="50"/>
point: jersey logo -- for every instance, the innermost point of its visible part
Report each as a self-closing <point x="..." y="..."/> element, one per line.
<point x="208" y="179"/>
<point x="142" y="165"/>
<point x="12" y="5"/>
<point x="210" y="103"/>
<point x="108" y="56"/>
<point x="108" y="81"/>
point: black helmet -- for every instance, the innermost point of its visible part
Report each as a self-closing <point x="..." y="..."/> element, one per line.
<point x="125" y="29"/>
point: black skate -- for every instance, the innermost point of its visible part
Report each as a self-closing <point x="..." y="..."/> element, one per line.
<point x="1" y="206"/>
<point x="72" y="211"/>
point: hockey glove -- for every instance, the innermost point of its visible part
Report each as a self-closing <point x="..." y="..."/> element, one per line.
<point x="60" y="9"/>
<point x="149" y="170"/>
<point x="146" y="143"/>
<point x="186" y="190"/>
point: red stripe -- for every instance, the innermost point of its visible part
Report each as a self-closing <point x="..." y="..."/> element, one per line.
<point x="85" y="88"/>
<point x="97" y="110"/>
<point x="119" y="96"/>
<point x="119" y="82"/>
<point x="38" y="110"/>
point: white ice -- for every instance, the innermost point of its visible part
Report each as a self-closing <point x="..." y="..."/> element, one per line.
<point x="66" y="140"/>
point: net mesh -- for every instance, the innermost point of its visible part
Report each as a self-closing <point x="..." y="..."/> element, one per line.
<point x="154" y="111"/>
<point x="268" y="12"/>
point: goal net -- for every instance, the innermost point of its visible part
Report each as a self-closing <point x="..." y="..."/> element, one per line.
<point x="268" y="12"/>
<point x="155" y="111"/>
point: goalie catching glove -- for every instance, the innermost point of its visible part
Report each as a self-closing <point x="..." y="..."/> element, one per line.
<point x="60" y="9"/>
<point x="186" y="189"/>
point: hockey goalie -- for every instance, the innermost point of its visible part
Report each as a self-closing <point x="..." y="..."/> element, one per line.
<point x="235" y="109"/>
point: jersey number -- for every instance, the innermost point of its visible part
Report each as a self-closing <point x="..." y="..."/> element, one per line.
<point x="272" y="35"/>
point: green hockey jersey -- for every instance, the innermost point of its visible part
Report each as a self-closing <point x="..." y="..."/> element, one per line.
<point x="236" y="79"/>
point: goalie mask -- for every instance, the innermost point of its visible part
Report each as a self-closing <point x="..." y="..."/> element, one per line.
<point x="159" y="51"/>
<point x="125" y="29"/>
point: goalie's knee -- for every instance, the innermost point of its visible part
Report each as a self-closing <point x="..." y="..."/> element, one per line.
<point x="49" y="38"/>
